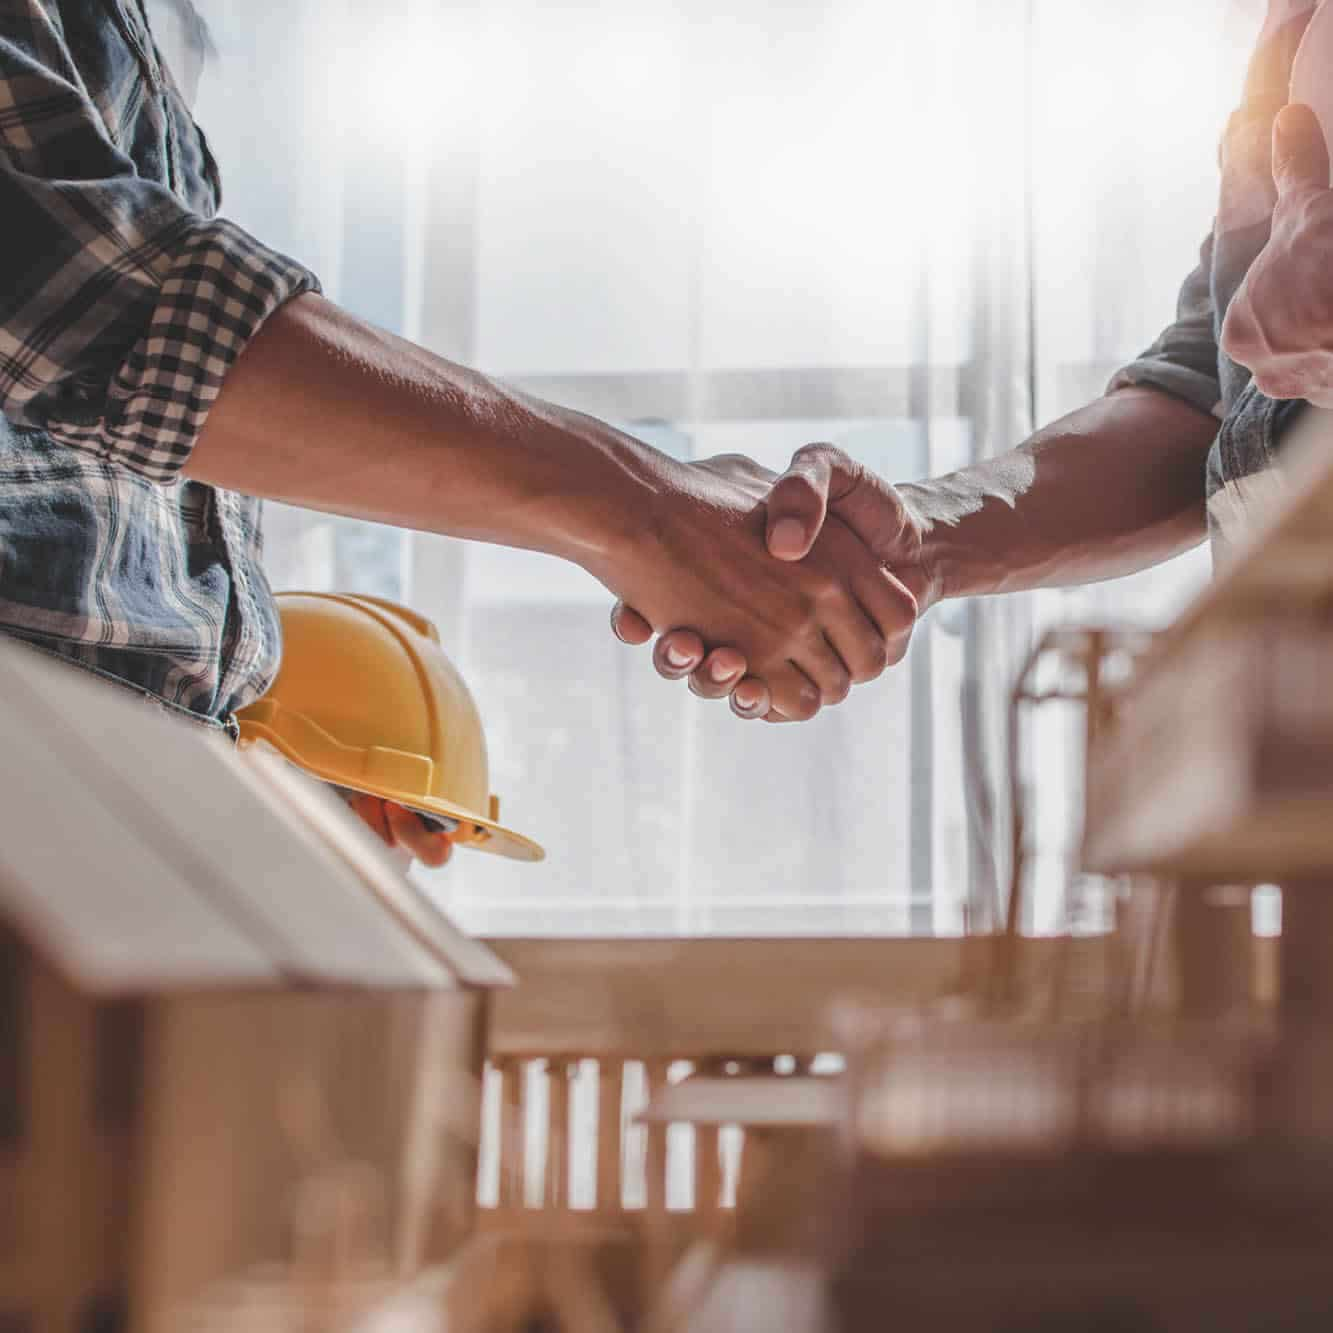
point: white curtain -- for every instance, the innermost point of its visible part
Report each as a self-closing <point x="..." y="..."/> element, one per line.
<point x="908" y="228"/>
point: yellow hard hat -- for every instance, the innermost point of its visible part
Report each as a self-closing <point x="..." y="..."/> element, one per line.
<point x="368" y="700"/>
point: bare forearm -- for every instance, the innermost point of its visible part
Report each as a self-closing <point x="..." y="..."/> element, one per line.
<point x="1108" y="490"/>
<point x="325" y="411"/>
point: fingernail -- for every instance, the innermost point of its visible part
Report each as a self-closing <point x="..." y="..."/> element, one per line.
<point x="721" y="673"/>
<point x="787" y="537"/>
<point x="746" y="700"/>
<point x="677" y="658"/>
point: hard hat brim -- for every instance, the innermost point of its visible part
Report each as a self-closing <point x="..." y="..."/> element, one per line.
<point x="499" y="840"/>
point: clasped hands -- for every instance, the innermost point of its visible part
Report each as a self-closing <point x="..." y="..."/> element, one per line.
<point x="777" y="593"/>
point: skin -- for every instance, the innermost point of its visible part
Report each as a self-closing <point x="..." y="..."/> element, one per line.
<point x="402" y="829"/>
<point x="1112" y="488"/>
<point x="326" y="411"/>
<point x="1280" y="323"/>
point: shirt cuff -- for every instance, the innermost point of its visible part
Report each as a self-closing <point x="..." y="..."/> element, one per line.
<point x="221" y="286"/>
<point x="1196" y="388"/>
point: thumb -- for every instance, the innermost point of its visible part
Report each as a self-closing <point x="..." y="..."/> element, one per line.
<point x="1300" y="155"/>
<point x="798" y="501"/>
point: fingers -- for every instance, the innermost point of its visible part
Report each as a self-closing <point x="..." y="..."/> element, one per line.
<point x="722" y="675"/>
<point x="397" y="827"/>
<point x="893" y="610"/>
<point x="798" y="503"/>
<point x="793" y="694"/>
<point x="371" y="811"/>
<point x="629" y="626"/>
<point x="680" y="653"/>
<point x="858" y="617"/>
<point x="719" y="674"/>
<point x="864" y="612"/>
<point x="405" y="826"/>
<point x="1300" y="155"/>
<point x="677" y="653"/>
<point x="822" y="480"/>
<point x="862" y="638"/>
<point x="751" y="699"/>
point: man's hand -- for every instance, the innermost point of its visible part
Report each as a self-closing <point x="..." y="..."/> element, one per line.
<point x="822" y="618"/>
<point x="402" y="829"/>
<point x="407" y="438"/>
<point x="1280" y="322"/>
<point x="822" y="492"/>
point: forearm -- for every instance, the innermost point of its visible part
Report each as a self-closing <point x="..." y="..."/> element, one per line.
<point x="1110" y="489"/>
<point x="325" y="411"/>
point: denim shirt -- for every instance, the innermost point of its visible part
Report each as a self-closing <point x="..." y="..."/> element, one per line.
<point x="124" y="301"/>
<point x="1187" y="359"/>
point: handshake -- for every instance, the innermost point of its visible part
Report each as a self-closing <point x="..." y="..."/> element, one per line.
<point x="777" y="593"/>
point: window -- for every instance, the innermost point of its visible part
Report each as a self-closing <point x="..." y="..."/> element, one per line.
<point x="906" y="228"/>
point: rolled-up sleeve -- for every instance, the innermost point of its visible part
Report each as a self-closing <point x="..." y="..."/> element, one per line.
<point x="1184" y="359"/>
<point x="121" y="310"/>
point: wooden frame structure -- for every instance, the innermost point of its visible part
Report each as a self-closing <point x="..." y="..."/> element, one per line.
<point x="231" y="1033"/>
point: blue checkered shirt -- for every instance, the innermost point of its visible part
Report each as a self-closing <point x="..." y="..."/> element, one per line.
<point x="124" y="300"/>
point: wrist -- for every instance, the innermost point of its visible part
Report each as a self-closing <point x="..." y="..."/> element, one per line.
<point x="603" y="510"/>
<point x="928" y="536"/>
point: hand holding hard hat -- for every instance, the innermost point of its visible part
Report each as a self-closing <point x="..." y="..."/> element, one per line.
<point x="367" y="700"/>
<point x="415" y="836"/>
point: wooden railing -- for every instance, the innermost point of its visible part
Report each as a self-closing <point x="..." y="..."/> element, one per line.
<point x="595" y="1026"/>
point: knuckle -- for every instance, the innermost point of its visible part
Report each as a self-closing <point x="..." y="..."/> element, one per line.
<point x="801" y="709"/>
<point x="799" y="489"/>
<point x="875" y="660"/>
<point x="838" y="688"/>
<point x="819" y="452"/>
<point x="803" y="615"/>
<point x="826" y="592"/>
<point x="812" y="455"/>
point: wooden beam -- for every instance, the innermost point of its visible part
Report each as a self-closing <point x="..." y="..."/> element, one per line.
<point x="680" y="999"/>
<point x="796" y="1102"/>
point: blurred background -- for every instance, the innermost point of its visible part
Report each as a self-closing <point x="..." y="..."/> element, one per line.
<point x="912" y="229"/>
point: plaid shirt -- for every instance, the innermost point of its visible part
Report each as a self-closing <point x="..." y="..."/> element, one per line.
<point x="1292" y="62"/>
<point x="123" y="302"/>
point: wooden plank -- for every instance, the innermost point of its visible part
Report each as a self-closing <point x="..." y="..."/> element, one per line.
<point x="73" y="1192"/>
<point x="185" y="868"/>
<point x="326" y="821"/>
<point x="512" y="1148"/>
<point x="101" y="901"/>
<point x="262" y="1108"/>
<point x="655" y="1152"/>
<point x="610" y="1158"/>
<point x="794" y="1102"/>
<point x="1220" y="763"/>
<point x="556" y="1193"/>
<point x="680" y="999"/>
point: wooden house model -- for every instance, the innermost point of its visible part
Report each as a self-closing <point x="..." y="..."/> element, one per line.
<point x="231" y="1033"/>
